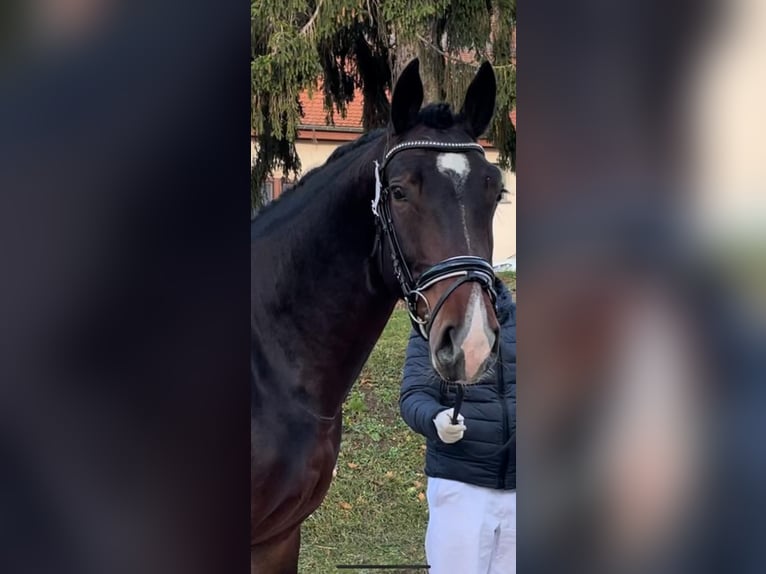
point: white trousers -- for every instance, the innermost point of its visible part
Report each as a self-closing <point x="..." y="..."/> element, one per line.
<point x="471" y="529"/>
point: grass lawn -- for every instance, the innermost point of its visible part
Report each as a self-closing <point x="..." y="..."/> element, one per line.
<point x="375" y="511"/>
<point x="509" y="277"/>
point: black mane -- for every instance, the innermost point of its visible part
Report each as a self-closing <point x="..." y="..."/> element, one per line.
<point x="351" y="146"/>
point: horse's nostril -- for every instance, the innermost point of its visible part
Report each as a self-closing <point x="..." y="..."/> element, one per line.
<point x="445" y="351"/>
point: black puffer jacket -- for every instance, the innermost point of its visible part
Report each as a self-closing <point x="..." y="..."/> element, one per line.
<point x="489" y="410"/>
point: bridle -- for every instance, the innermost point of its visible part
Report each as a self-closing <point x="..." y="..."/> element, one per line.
<point x="464" y="268"/>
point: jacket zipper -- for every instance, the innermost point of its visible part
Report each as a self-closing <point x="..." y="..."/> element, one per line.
<point x="504" y="406"/>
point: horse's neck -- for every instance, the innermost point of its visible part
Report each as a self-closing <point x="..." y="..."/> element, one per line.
<point x="328" y="304"/>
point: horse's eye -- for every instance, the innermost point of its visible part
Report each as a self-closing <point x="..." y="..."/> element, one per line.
<point x="398" y="193"/>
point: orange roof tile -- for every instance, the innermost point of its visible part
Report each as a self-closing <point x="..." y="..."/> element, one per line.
<point x="314" y="114"/>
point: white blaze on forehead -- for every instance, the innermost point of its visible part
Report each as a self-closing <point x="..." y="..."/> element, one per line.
<point x="456" y="167"/>
<point x="479" y="338"/>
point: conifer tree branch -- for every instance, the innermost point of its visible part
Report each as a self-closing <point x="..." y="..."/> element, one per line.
<point x="309" y="27"/>
<point x="452" y="58"/>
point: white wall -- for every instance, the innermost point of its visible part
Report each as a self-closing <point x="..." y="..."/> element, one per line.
<point x="505" y="217"/>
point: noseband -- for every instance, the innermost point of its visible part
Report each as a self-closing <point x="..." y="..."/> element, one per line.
<point x="464" y="268"/>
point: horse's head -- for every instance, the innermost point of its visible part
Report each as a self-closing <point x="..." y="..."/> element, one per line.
<point x="439" y="195"/>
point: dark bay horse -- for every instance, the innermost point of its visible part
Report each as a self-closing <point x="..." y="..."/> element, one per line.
<point x="404" y="211"/>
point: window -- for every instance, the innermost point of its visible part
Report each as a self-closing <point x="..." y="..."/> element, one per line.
<point x="267" y="195"/>
<point x="267" y="191"/>
<point x="287" y="184"/>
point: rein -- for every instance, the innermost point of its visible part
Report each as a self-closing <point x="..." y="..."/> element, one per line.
<point x="459" y="403"/>
<point x="463" y="268"/>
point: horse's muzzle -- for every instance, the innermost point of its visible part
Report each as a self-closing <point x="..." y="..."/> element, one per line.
<point x="465" y="338"/>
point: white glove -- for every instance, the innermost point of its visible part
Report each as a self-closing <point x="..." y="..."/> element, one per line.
<point x="448" y="432"/>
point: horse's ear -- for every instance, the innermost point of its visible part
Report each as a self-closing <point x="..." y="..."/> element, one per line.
<point x="408" y="97"/>
<point x="479" y="105"/>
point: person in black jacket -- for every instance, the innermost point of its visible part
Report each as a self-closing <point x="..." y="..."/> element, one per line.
<point x="471" y="465"/>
